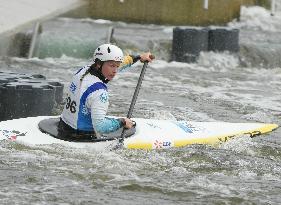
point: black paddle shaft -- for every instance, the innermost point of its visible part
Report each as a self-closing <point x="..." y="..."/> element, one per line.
<point x="136" y="93"/>
<point x="134" y="99"/>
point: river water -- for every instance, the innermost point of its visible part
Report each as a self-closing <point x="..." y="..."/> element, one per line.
<point x="217" y="88"/>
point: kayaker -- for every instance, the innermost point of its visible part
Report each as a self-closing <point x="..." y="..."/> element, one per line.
<point x="84" y="113"/>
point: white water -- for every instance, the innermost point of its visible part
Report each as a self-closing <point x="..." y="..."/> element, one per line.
<point x="258" y="18"/>
<point x="242" y="171"/>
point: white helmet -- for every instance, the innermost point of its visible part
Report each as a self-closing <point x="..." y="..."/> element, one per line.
<point x="107" y="52"/>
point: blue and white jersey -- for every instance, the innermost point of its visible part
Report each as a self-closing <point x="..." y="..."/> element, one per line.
<point x="87" y="104"/>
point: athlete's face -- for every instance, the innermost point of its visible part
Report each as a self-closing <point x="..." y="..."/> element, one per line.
<point x="110" y="68"/>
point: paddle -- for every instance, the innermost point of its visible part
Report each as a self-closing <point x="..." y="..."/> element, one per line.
<point x="133" y="102"/>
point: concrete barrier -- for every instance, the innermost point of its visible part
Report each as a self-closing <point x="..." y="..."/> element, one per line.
<point x="224" y="39"/>
<point x="179" y="12"/>
<point x="23" y="95"/>
<point x="20" y="15"/>
<point x="188" y="43"/>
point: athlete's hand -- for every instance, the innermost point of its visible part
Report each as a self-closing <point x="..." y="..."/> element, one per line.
<point x="128" y="123"/>
<point x="146" y="57"/>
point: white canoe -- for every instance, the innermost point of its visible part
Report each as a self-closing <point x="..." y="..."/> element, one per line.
<point x="150" y="133"/>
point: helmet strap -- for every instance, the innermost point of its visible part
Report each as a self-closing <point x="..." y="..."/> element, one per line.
<point x="96" y="69"/>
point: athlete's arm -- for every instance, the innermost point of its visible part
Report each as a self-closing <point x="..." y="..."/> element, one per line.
<point x="98" y="103"/>
<point x="129" y="60"/>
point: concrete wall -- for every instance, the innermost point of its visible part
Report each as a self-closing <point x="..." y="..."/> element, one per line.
<point x="174" y="12"/>
<point x="19" y="15"/>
